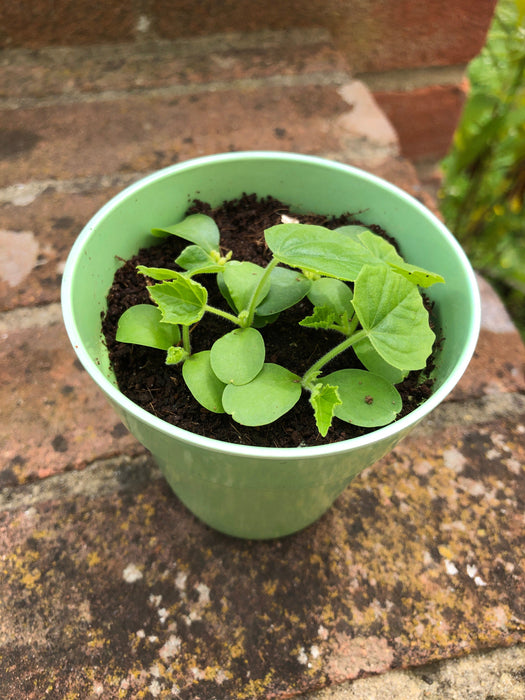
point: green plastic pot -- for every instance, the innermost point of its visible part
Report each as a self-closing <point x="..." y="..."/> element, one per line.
<point x="247" y="491"/>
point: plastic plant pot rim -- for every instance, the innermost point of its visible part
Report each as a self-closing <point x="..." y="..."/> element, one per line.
<point x="254" y="451"/>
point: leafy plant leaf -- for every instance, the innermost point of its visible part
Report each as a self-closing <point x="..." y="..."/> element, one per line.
<point x="322" y="317"/>
<point x="287" y="287"/>
<point x="196" y="260"/>
<point x="332" y="293"/>
<point x="175" y="355"/>
<point x="391" y="312"/>
<point x="317" y="249"/>
<point x="366" y="399"/>
<point x="273" y="392"/>
<point x="241" y="279"/>
<point x="196" y="228"/>
<point x="324" y="399"/>
<point x="181" y="300"/>
<point x="373" y="362"/>
<point x="238" y="356"/>
<point x="202" y="381"/>
<point x="142" y="325"/>
<point x="157" y="273"/>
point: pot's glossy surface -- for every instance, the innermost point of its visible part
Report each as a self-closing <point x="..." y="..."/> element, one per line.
<point x="247" y="491"/>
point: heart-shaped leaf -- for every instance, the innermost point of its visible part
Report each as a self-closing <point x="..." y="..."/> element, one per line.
<point x="241" y="279"/>
<point x="196" y="260"/>
<point x="287" y="287"/>
<point x="332" y="293"/>
<point x="238" y="356"/>
<point x="317" y="249"/>
<point x="142" y="325"/>
<point x="202" y="381"/>
<point x="391" y="312"/>
<point x="181" y="300"/>
<point x="196" y="228"/>
<point x="273" y="392"/>
<point x="366" y="399"/>
<point x="373" y="361"/>
<point x="324" y="399"/>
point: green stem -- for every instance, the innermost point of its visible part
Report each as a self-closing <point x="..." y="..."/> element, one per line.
<point x="327" y="357"/>
<point x="224" y="314"/>
<point x="186" y="342"/>
<point x="254" y="298"/>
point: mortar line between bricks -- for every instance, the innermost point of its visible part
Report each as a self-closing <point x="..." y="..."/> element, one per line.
<point x="100" y="478"/>
<point x="106" y="476"/>
<point x="337" y="78"/>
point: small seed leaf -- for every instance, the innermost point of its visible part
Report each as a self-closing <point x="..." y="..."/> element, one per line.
<point x="142" y="325"/>
<point x="287" y="287"/>
<point x="181" y="300"/>
<point x="324" y="399"/>
<point x="196" y="228"/>
<point x="196" y="260"/>
<point x="241" y="279"/>
<point x="202" y="381"/>
<point x="238" y="356"/>
<point x="373" y="362"/>
<point x="367" y="400"/>
<point x="273" y="392"/>
<point x="317" y="249"/>
<point x="335" y="294"/>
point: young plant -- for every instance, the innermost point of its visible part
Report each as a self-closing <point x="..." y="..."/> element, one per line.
<point x="359" y="287"/>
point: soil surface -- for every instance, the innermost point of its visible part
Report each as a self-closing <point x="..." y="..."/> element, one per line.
<point x="143" y="376"/>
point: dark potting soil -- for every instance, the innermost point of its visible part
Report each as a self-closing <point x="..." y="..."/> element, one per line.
<point x="143" y="376"/>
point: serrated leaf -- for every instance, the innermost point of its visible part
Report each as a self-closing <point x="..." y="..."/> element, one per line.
<point x="181" y="300"/>
<point x="273" y="392"/>
<point x="317" y="249"/>
<point x="195" y="260"/>
<point x="324" y="398"/>
<point x="241" y="279"/>
<point x="157" y="273"/>
<point x="238" y="356"/>
<point x="287" y="287"/>
<point x="331" y="293"/>
<point x="391" y="312"/>
<point x="196" y="228"/>
<point x="416" y="275"/>
<point x="322" y="317"/>
<point x="202" y="381"/>
<point x="175" y="355"/>
<point x="142" y="325"/>
<point x="367" y="400"/>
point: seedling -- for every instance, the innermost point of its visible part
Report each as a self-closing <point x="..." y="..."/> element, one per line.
<point x="359" y="287"/>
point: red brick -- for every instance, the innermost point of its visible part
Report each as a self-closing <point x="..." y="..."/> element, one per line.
<point x="34" y="23"/>
<point x="52" y="416"/>
<point x="425" y="119"/>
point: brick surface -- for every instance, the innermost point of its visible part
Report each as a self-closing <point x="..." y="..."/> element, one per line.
<point x="127" y="595"/>
<point x="425" y="119"/>
<point x="52" y="417"/>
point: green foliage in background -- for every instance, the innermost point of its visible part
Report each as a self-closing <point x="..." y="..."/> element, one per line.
<point x="483" y="192"/>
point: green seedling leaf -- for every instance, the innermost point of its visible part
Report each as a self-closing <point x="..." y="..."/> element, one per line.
<point x="324" y="399"/>
<point x="322" y="317"/>
<point x="175" y="355"/>
<point x="332" y="293"/>
<point x="241" y="280"/>
<point x="261" y="321"/>
<point x="195" y="260"/>
<point x="202" y="381"/>
<point x="273" y="392"/>
<point x="385" y="251"/>
<point x="391" y="312"/>
<point x="238" y="356"/>
<point x="157" y="273"/>
<point x="196" y="228"/>
<point x="287" y="287"/>
<point x="317" y="249"/>
<point x="366" y="399"/>
<point x="181" y="300"/>
<point x="142" y="325"/>
<point x="374" y="363"/>
<point x="223" y="289"/>
<point x="352" y="230"/>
